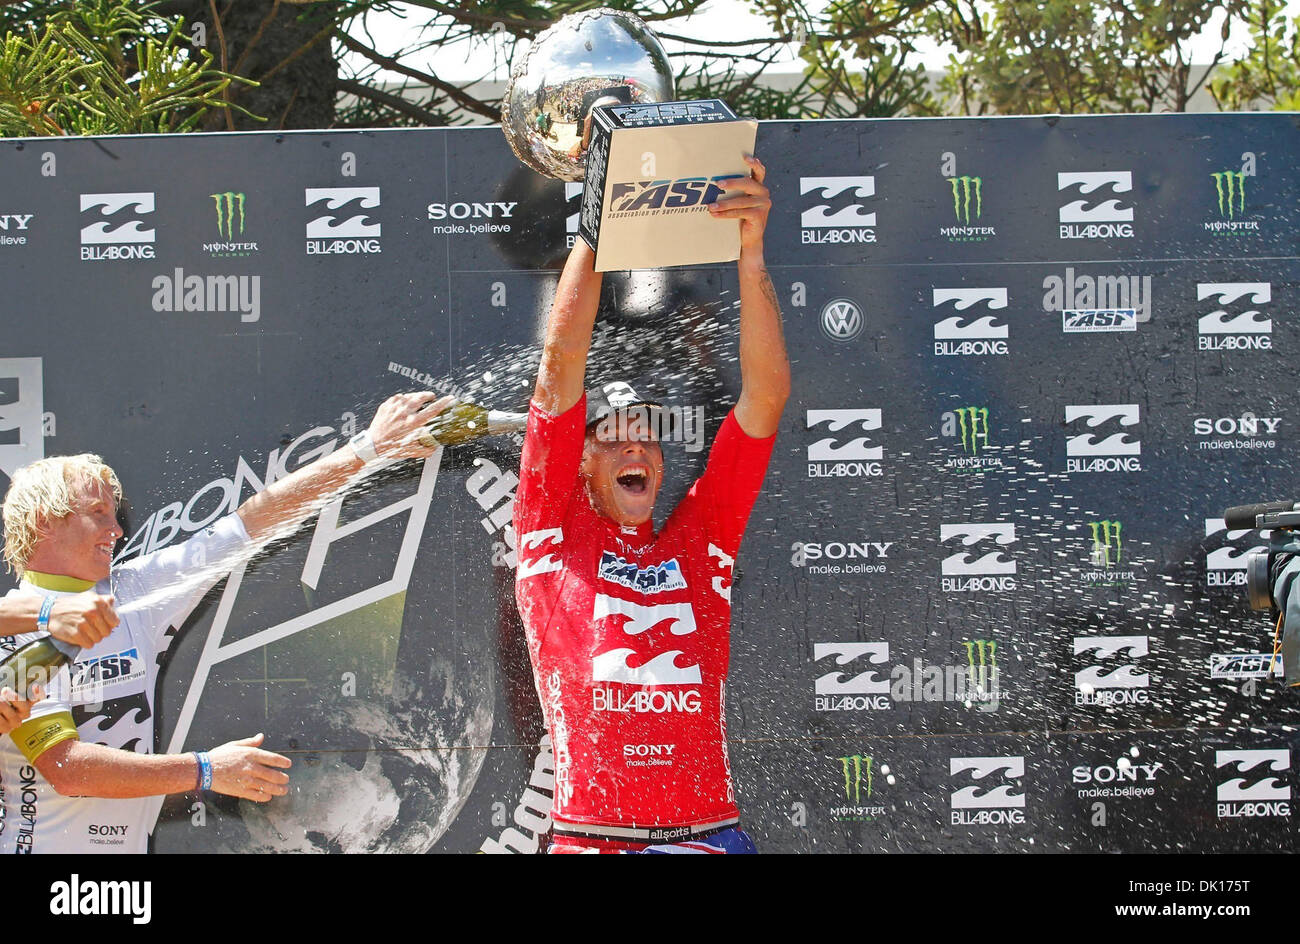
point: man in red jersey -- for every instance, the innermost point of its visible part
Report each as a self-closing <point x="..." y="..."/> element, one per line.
<point x="628" y="631"/>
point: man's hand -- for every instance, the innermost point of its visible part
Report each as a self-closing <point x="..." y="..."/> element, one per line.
<point x="14" y="710"/>
<point x="83" y="619"/>
<point x="400" y="421"/>
<point x="242" y="769"/>
<point x="751" y="206"/>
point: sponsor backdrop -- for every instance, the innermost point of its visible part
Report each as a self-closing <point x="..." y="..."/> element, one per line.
<point x="986" y="601"/>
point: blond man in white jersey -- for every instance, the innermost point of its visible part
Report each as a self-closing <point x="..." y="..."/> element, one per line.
<point x="77" y="767"/>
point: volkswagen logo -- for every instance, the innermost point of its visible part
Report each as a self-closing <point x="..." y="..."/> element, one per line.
<point x="842" y="320"/>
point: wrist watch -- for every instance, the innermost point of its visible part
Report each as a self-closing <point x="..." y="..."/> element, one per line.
<point x="364" y="447"/>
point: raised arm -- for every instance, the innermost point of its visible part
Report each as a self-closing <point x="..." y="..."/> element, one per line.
<point x="394" y="434"/>
<point x="764" y="365"/>
<point x="568" y="332"/>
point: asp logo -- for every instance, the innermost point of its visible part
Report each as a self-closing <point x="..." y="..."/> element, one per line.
<point x="650" y="578"/>
<point x="842" y="689"/>
<point x="1226" y="566"/>
<point x="1090" y="303"/>
<point x="22" y="424"/>
<point x="1104" y="219"/>
<point x="663" y="197"/>
<point x="1099" y="685"/>
<point x="1086" y="452"/>
<point x="117" y="228"/>
<point x="992" y="799"/>
<point x="111" y="669"/>
<point x="983" y="335"/>
<point x="1256" y="790"/>
<point x="851" y="455"/>
<point x="1235" y="324"/>
<point x="346" y="227"/>
<point x="965" y="572"/>
<point x="1245" y="665"/>
<point x="833" y="213"/>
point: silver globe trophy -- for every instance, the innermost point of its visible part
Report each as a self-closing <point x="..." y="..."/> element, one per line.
<point x="591" y="100"/>
<point x="585" y="57"/>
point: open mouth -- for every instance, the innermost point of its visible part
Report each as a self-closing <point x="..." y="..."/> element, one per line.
<point x="635" y="479"/>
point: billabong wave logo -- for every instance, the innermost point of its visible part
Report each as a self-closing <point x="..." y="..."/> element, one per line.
<point x="1089" y="182"/>
<point x="22" y="399"/>
<point x="120" y="232"/>
<point x="1226" y="566"/>
<point x="615" y="665"/>
<point x="1083" y="450"/>
<point x="104" y="232"/>
<point x="1093" y="684"/>
<point x="835" y="215"/>
<point x="1108" y="218"/>
<point x="982" y="335"/>
<point x="1246" y="329"/>
<point x="829" y="450"/>
<point x="994" y="796"/>
<point x="848" y="455"/>
<point x="1256" y="790"/>
<point x="347" y="225"/>
<point x="572" y="208"/>
<point x="992" y="563"/>
<point x="531" y="562"/>
<point x="845" y="689"/>
<point x="829" y="188"/>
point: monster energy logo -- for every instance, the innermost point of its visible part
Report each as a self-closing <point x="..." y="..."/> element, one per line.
<point x="226" y="204"/>
<point x="962" y="190"/>
<point x="974" y="422"/>
<point x="981" y="659"/>
<point x="853" y="776"/>
<point x="1107" y="543"/>
<point x="1231" y="187"/>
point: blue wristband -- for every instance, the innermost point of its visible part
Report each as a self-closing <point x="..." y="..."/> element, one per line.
<point x="43" y="617"/>
<point x="205" y="770"/>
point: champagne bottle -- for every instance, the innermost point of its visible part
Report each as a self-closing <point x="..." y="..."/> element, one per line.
<point x="36" y="663"/>
<point x="462" y="422"/>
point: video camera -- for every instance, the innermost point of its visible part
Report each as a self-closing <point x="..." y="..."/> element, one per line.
<point x="1271" y="577"/>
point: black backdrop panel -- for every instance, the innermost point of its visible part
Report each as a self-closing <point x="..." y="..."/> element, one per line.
<point x="978" y="601"/>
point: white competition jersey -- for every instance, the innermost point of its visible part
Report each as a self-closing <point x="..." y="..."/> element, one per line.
<point x="108" y="696"/>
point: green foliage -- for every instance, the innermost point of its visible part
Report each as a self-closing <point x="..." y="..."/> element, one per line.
<point x="1065" y="56"/>
<point x="1269" y="74"/>
<point x="103" y="67"/>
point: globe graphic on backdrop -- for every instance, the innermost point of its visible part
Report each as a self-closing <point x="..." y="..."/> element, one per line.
<point x="398" y="785"/>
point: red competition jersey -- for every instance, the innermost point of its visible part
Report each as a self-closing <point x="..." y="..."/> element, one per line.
<point x="629" y="632"/>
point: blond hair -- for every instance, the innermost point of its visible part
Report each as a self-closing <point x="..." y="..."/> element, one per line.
<point x="44" y="491"/>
